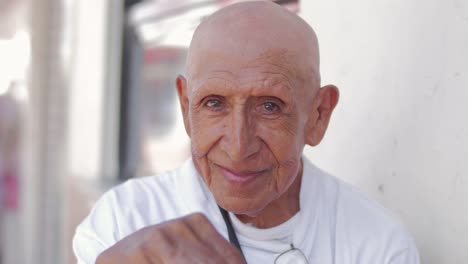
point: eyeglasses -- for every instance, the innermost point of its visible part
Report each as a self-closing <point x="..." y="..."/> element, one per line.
<point x="291" y="256"/>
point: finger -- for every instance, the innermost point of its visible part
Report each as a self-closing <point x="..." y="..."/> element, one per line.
<point x="176" y="241"/>
<point x="210" y="237"/>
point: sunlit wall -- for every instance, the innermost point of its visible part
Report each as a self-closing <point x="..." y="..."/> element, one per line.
<point x="400" y="131"/>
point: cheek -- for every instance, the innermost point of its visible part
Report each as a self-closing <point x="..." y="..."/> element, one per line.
<point x="284" y="138"/>
<point x="204" y="135"/>
<point x="285" y="142"/>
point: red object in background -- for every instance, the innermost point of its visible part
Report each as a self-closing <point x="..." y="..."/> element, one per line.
<point x="292" y="5"/>
<point x="10" y="191"/>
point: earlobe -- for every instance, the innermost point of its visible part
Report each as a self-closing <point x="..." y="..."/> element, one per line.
<point x="181" y="84"/>
<point x="322" y="108"/>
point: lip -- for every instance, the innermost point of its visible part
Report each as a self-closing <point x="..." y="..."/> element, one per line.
<point x="239" y="176"/>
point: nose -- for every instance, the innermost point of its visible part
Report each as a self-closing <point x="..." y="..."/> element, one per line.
<point x="240" y="140"/>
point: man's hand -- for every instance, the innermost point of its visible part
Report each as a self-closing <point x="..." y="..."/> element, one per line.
<point x="190" y="239"/>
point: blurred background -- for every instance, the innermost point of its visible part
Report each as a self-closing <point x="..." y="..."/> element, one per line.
<point x="87" y="100"/>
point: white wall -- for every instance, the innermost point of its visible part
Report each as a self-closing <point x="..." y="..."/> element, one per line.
<point x="400" y="131"/>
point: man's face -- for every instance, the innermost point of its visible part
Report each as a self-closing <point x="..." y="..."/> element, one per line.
<point x="246" y="117"/>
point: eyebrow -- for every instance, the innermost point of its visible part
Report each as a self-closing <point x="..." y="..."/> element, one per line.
<point x="270" y="86"/>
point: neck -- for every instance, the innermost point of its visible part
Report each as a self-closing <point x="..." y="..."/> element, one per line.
<point x="280" y="210"/>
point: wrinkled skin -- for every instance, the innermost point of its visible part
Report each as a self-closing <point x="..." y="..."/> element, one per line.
<point x="251" y="99"/>
<point x="191" y="239"/>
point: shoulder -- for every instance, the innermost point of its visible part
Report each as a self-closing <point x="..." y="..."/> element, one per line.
<point x="130" y="206"/>
<point x="364" y="230"/>
<point x="143" y="194"/>
<point x="147" y="200"/>
<point x="363" y="215"/>
<point x="370" y="230"/>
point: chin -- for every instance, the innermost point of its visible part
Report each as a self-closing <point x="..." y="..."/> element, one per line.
<point x="250" y="206"/>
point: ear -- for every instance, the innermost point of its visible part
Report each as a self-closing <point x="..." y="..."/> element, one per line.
<point x="181" y="84"/>
<point x="323" y="105"/>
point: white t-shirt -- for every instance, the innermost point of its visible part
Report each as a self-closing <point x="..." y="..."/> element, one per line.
<point x="335" y="225"/>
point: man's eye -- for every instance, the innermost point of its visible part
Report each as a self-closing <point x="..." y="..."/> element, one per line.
<point x="213" y="103"/>
<point x="270" y="107"/>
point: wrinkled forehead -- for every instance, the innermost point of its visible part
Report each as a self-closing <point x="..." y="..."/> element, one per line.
<point x="278" y="60"/>
<point x="270" y="64"/>
<point x="270" y="72"/>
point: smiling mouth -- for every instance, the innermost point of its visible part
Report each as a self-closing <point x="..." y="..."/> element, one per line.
<point x="242" y="176"/>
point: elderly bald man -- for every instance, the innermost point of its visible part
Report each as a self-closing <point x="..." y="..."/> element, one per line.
<point x="251" y="100"/>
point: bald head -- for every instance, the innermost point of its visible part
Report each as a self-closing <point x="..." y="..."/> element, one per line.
<point x="253" y="31"/>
